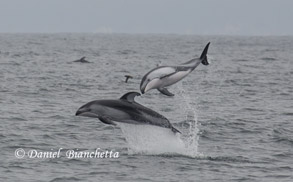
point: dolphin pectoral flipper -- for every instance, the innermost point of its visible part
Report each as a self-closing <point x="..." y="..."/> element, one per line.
<point x="165" y="91"/>
<point x="106" y="120"/>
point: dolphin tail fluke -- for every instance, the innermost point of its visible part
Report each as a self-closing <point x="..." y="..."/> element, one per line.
<point x="175" y="130"/>
<point x="203" y="56"/>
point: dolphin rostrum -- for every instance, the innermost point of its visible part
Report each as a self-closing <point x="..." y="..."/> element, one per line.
<point x="161" y="77"/>
<point x="124" y="110"/>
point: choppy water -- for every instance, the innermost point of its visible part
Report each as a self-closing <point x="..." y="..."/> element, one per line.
<point x="235" y="114"/>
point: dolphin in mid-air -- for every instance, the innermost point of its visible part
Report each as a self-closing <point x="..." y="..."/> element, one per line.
<point x="124" y="110"/>
<point x="161" y="77"/>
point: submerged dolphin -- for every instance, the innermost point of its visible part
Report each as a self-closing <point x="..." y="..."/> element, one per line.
<point x="124" y="110"/>
<point x="163" y="76"/>
<point x="81" y="60"/>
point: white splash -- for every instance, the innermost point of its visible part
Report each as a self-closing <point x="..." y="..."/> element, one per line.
<point x="151" y="140"/>
<point x="154" y="140"/>
<point x="191" y="136"/>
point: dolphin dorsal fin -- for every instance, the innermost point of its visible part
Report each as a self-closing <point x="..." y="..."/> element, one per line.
<point x="129" y="96"/>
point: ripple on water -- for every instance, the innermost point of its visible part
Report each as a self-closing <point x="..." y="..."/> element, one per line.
<point x="61" y="179"/>
<point x="268" y="59"/>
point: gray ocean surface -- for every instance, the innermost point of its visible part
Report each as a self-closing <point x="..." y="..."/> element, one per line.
<point x="235" y="115"/>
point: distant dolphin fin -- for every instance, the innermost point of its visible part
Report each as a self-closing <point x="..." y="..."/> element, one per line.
<point x="129" y="96"/>
<point x="127" y="77"/>
<point x="165" y="91"/>
<point x="175" y="130"/>
<point x="82" y="59"/>
<point x="203" y="56"/>
<point x="106" y="120"/>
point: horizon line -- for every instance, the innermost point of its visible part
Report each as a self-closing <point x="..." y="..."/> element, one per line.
<point x="144" y="33"/>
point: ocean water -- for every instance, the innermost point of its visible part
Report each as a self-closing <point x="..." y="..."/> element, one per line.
<point x="235" y="115"/>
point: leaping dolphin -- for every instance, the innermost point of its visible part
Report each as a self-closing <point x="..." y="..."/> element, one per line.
<point x="161" y="77"/>
<point x="124" y="110"/>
